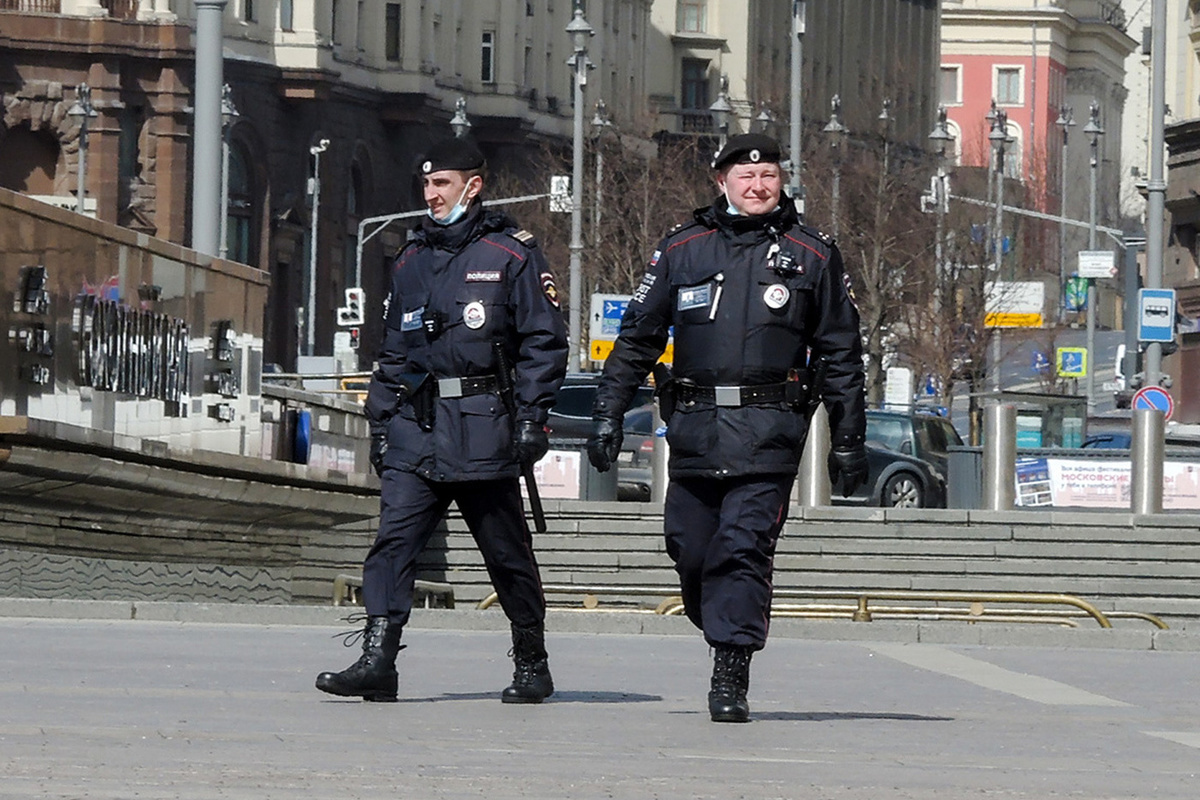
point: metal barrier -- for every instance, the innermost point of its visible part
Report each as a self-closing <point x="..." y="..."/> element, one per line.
<point x="345" y="589"/>
<point x="863" y="611"/>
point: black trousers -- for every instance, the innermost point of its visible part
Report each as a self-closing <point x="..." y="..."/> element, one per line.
<point x="721" y="534"/>
<point x="410" y="508"/>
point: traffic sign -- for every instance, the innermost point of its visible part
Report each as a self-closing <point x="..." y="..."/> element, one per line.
<point x="1156" y="315"/>
<point x="1072" y="362"/>
<point x="1154" y="398"/>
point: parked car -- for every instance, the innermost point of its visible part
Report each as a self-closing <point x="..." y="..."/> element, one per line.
<point x="1173" y="442"/>
<point x="907" y="457"/>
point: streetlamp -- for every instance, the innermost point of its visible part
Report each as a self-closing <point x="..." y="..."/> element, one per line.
<point x="81" y="111"/>
<point x="885" y="124"/>
<point x="579" y="31"/>
<point x="459" y="123"/>
<point x="1065" y="121"/>
<point x="765" y="119"/>
<point x="795" y="112"/>
<point x="229" y="115"/>
<point x="310" y="332"/>
<point x="941" y="138"/>
<point x="837" y="132"/>
<point x="1094" y="131"/>
<point x="999" y="138"/>
<point x="600" y="123"/>
<point x="720" y="110"/>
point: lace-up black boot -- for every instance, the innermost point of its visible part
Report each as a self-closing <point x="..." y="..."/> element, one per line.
<point x="730" y="682"/>
<point x="531" y="677"/>
<point x="373" y="677"/>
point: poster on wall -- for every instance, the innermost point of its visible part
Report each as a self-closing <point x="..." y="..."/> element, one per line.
<point x="1094" y="483"/>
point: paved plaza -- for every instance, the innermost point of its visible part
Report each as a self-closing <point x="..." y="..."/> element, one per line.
<point x="120" y="708"/>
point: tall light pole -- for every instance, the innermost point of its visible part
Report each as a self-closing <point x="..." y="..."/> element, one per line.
<point x="941" y="138"/>
<point x="206" y="129"/>
<point x="720" y="110"/>
<point x="796" y="117"/>
<point x="579" y="31"/>
<point x="459" y="122"/>
<point x="600" y="123"/>
<point x="229" y="115"/>
<point x="1065" y="121"/>
<point x="1156" y="185"/>
<point x="310" y="328"/>
<point x="837" y="132"/>
<point x="1094" y="131"/>
<point x="999" y="138"/>
<point x="81" y="110"/>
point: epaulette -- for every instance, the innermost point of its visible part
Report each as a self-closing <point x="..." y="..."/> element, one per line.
<point x="821" y="236"/>
<point x="691" y="223"/>
<point x="524" y="237"/>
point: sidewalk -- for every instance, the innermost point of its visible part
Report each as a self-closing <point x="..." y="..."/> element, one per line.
<point x="208" y="708"/>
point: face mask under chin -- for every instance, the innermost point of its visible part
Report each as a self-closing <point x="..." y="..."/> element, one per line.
<point x="456" y="213"/>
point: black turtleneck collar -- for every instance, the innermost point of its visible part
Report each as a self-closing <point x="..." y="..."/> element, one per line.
<point x="752" y="228"/>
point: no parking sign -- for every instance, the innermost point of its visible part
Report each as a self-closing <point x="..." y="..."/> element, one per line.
<point x="1154" y="398"/>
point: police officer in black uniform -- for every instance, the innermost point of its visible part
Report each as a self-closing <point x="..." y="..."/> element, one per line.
<point x="761" y="310"/>
<point x="469" y="290"/>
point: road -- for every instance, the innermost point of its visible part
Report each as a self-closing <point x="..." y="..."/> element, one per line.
<point x="201" y="711"/>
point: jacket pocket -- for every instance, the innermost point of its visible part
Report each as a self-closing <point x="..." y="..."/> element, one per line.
<point x="486" y="429"/>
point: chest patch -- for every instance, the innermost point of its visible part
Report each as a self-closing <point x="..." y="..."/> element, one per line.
<point x="695" y="297"/>
<point x="776" y="296"/>
<point x="484" y="276"/>
<point x="474" y="315"/>
<point x="411" y="320"/>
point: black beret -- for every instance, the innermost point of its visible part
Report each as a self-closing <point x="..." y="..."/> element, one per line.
<point x="456" y="153"/>
<point x="748" y="148"/>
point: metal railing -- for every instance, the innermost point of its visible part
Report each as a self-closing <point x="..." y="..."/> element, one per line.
<point x="32" y="6"/>
<point x="865" y="611"/>
<point x="345" y="589"/>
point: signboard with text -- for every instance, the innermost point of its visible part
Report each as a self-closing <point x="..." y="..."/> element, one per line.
<point x="1097" y="264"/>
<point x="1015" y="304"/>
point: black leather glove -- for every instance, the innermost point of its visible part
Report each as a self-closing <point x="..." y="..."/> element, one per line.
<point x="850" y="463"/>
<point x="530" y="442"/>
<point x="604" y="445"/>
<point x="378" y="451"/>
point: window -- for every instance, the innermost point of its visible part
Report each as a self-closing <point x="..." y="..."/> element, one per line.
<point x="248" y="11"/>
<point x="285" y="15"/>
<point x="951" y="89"/>
<point x="1008" y="86"/>
<point x="360" y="21"/>
<point x="693" y="90"/>
<point x="333" y="15"/>
<point x="239" y="240"/>
<point x="691" y="16"/>
<point x="487" y="57"/>
<point x="391" y="32"/>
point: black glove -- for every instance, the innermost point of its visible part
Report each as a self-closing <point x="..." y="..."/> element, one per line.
<point x="604" y="445"/>
<point x="850" y="463"/>
<point x="530" y="441"/>
<point x="378" y="450"/>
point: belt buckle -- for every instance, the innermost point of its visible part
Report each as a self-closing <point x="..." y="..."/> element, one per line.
<point x="450" y="387"/>
<point x="729" y="396"/>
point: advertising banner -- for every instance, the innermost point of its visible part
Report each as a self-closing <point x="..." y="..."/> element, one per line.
<point x="1092" y="483"/>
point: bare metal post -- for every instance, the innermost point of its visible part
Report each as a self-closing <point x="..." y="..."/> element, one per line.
<point x="1094" y="132"/>
<point x="310" y="318"/>
<point x="796" y="186"/>
<point x="999" y="457"/>
<point x="1147" y="461"/>
<point x="658" y="461"/>
<point x="1156" y="186"/>
<point x="579" y="31"/>
<point x="813" y="486"/>
<point x="206" y="137"/>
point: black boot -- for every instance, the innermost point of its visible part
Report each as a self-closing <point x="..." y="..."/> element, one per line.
<point x="730" y="681"/>
<point x="373" y="676"/>
<point x="531" y="677"/>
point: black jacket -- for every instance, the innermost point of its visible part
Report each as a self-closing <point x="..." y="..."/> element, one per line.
<point x="744" y="314"/>
<point x="455" y="290"/>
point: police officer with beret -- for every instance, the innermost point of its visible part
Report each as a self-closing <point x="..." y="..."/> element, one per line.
<point x="473" y="312"/>
<point x="762" y="311"/>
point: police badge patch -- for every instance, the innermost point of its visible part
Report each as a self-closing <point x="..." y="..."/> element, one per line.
<point x="849" y="290"/>
<point x="550" y="289"/>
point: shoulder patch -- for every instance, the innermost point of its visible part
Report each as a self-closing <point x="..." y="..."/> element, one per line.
<point x="524" y="237"/>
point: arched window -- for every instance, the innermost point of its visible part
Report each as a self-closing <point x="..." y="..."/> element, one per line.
<point x="29" y="161"/>
<point x="354" y="213"/>
<point x="240" y="239"/>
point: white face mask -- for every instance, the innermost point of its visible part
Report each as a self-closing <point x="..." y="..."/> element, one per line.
<point x="456" y="213"/>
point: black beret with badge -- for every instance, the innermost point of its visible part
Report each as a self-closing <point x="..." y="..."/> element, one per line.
<point x="457" y="154"/>
<point x="748" y="148"/>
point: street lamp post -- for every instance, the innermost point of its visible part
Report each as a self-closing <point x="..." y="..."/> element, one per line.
<point x="82" y="110"/>
<point x="310" y="332"/>
<point x="720" y="110"/>
<point x="765" y="119"/>
<point x="1094" y="131"/>
<point x="579" y="31"/>
<point x="459" y="122"/>
<point x="795" y="116"/>
<point x="1065" y="121"/>
<point x="941" y="138"/>
<point x="837" y="132"/>
<point x="886" y="119"/>
<point x="999" y="138"/>
<point x="229" y="115"/>
<point x="600" y="123"/>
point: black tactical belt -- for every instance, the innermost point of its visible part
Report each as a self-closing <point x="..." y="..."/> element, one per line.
<point x="466" y="387"/>
<point x="733" y="396"/>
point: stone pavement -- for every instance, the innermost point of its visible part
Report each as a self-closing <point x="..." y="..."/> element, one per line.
<point x="208" y="702"/>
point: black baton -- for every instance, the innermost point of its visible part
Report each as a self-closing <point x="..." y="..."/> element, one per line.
<point x="505" y="383"/>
